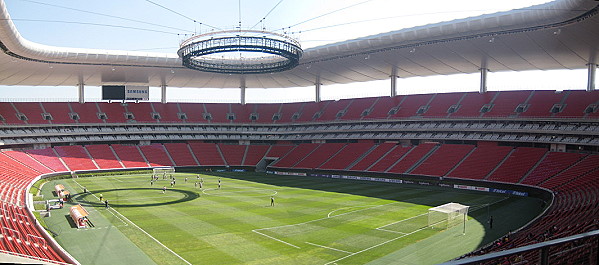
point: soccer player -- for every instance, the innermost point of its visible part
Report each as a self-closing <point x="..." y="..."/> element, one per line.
<point x="201" y="185"/>
<point x="196" y="184"/>
<point x="219" y="185"/>
<point x="185" y="179"/>
<point x="163" y="189"/>
<point x="106" y="204"/>
<point x="272" y="201"/>
<point x="101" y="196"/>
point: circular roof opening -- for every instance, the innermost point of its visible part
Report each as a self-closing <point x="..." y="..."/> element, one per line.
<point x="240" y="52"/>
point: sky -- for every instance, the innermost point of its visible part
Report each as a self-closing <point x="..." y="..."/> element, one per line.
<point x="160" y="25"/>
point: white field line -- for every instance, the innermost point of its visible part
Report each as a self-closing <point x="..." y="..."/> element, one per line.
<point x="390" y="231"/>
<point x="377" y="245"/>
<point x="311" y="221"/>
<point x="143" y="231"/>
<point x="342" y="208"/>
<point x="402" y="220"/>
<point x="123" y="221"/>
<point x="284" y="242"/>
<point x="329" y="248"/>
<point x="391" y="240"/>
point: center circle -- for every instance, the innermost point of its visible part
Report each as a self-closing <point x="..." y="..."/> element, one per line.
<point x="90" y="198"/>
<point x="240" y="192"/>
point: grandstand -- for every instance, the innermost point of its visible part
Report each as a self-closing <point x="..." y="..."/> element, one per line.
<point x="540" y="142"/>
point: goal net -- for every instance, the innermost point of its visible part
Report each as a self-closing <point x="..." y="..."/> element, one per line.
<point x="163" y="171"/>
<point x="447" y="215"/>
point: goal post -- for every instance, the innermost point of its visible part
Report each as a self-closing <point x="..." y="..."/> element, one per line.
<point x="448" y="215"/>
<point x="163" y="171"/>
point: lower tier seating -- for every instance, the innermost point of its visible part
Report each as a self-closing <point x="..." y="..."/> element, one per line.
<point x="572" y="175"/>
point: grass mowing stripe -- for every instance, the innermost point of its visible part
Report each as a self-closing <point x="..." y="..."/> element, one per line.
<point x="233" y="225"/>
<point x="143" y="231"/>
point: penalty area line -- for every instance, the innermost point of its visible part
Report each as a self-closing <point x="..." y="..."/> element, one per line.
<point x="377" y="245"/>
<point x="316" y="245"/>
<point x="284" y="242"/>
<point x="143" y="231"/>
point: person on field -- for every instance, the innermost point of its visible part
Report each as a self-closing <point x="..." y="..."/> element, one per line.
<point x="272" y="201"/>
<point x="163" y="189"/>
<point x="106" y="204"/>
<point x="101" y="196"/>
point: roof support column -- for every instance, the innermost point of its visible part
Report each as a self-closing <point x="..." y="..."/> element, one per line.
<point x="483" y="80"/>
<point x="394" y="82"/>
<point x="591" y="74"/>
<point x="317" y="89"/>
<point x="81" y="92"/>
<point x="242" y="89"/>
<point x="163" y="93"/>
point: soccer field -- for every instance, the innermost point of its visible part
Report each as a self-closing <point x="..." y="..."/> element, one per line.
<point x="313" y="221"/>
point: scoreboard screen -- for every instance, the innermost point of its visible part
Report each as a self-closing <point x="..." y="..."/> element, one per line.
<point x="113" y="92"/>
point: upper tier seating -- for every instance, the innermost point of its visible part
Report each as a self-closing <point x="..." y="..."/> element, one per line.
<point x="33" y="112"/>
<point x="506" y="102"/>
<point x="59" y="112"/>
<point x="523" y="104"/>
<point x="472" y="103"/>
<point x="167" y="112"/>
<point x="266" y="112"/>
<point x="88" y="112"/>
<point x="141" y="112"/>
<point x="357" y="108"/>
<point x="541" y="102"/>
<point x="441" y="104"/>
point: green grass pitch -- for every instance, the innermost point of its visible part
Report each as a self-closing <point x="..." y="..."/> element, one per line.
<point x="313" y="221"/>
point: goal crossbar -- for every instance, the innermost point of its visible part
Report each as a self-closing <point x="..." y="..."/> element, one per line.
<point x="448" y="215"/>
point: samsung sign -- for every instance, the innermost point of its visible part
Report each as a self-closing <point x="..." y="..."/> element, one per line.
<point x="137" y="92"/>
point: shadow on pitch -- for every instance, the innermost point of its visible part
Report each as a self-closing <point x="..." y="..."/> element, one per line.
<point x="87" y="199"/>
